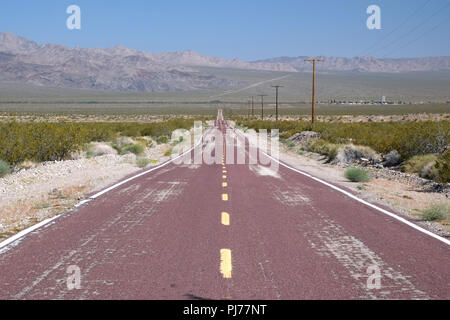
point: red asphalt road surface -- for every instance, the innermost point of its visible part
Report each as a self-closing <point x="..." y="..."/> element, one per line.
<point x="160" y="236"/>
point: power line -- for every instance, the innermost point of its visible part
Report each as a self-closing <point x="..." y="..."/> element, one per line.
<point x="415" y="28"/>
<point x="262" y="104"/>
<point x="276" y="89"/>
<point x="419" y="37"/>
<point x="396" y="28"/>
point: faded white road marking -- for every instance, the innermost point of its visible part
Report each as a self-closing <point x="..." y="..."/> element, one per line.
<point x="332" y="240"/>
<point x="348" y="194"/>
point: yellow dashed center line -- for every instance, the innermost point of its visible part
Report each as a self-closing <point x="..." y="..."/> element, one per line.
<point x="225" y="254"/>
<point x="225" y="219"/>
<point x="225" y="263"/>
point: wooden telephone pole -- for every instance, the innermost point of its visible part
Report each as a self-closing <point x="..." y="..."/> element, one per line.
<point x="262" y="104"/>
<point x="253" y="109"/>
<point x="314" y="85"/>
<point x="276" y="88"/>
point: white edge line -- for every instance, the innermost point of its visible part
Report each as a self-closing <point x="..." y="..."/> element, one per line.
<point x="393" y="215"/>
<point x="24" y="232"/>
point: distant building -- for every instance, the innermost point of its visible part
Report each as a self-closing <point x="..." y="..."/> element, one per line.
<point x="383" y="100"/>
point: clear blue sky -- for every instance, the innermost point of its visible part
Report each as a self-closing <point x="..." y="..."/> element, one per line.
<point x="245" y="29"/>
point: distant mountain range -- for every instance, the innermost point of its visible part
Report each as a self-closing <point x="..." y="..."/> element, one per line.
<point x="123" y="69"/>
<point x="367" y="64"/>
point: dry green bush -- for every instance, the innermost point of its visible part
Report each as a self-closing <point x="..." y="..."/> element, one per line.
<point x="357" y="175"/>
<point x="443" y="167"/>
<point x="436" y="212"/>
<point x="323" y="147"/>
<point x="45" y="141"/>
<point x="417" y="163"/>
<point x="5" y="168"/>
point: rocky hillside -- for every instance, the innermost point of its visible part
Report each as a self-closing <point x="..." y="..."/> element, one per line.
<point x="123" y="69"/>
<point x="117" y="68"/>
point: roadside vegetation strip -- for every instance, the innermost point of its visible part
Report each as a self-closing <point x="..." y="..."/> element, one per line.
<point x="419" y="147"/>
<point x="409" y="138"/>
<point x="350" y="195"/>
<point x="48" y="141"/>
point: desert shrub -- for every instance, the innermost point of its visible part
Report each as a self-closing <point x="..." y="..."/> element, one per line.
<point x="429" y="171"/>
<point x="132" y="148"/>
<point x="26" y="165"/>
<point x="5" y="168"/>
<point x="90" y="154"/>
<point x="142" y="162"/>
<point x="168" y="153"/>
<point x="99" y="149"/>
<point x="162" y="140"/>
<point x="417" y="163"/>
<point x="392" y="159"/>
<point x="443" y="167"/>
<point x="436" y="212"/>
<point x="350" y="154"/>
<point x="131" y="131"/>
<point x="291" y="145"/>
<point x="320" y="146"/>
<point x="39" y="141"/>
<point x="357" y="175"/>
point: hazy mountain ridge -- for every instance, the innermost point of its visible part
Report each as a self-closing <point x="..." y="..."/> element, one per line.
<point x="116" y="68"/>
<point x="123" y="69"/>
<point x="367" y="64"/>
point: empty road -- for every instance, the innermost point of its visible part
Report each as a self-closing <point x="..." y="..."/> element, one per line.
<point x="225" y="231"/>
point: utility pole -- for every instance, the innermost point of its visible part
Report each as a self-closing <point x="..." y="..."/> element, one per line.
<point x="253" y="109"/>
<point x="248" y="110"/>
<point x="276" y="88"/>
<point x="262" y="105"/>
<point x="314" y="85"/>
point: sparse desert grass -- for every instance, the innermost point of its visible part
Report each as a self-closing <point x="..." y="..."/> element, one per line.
<point x="135" y="148"/>
<point x="5" y="168"/>
<point x="162" y="139"/>
<point x="357" y="175"/>
<point x="436" y="212"/>
<point x="25" y="213"/>
<point x="168" y="153"/>
<point x="142" y="162"/>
